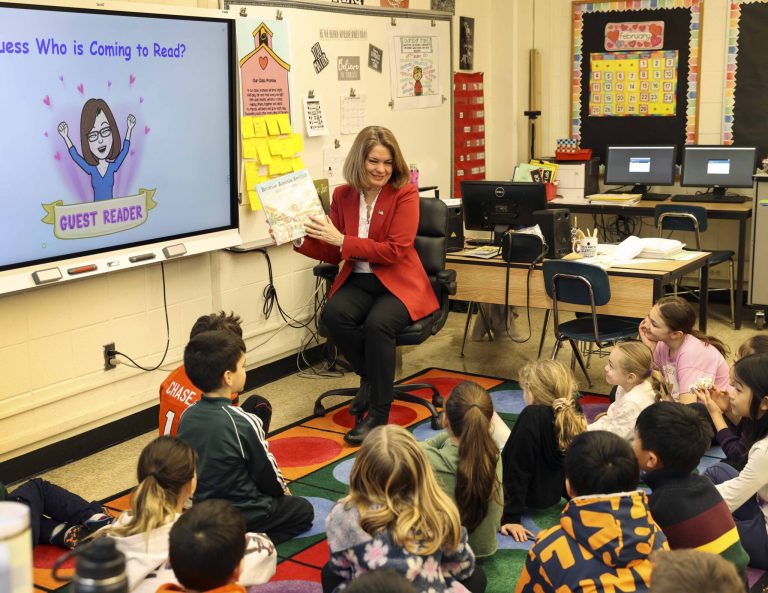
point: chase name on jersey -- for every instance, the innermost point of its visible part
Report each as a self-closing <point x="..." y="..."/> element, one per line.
<point x="184" y="394"/>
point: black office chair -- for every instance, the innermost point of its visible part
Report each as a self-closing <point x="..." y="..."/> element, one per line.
<point x="580" y="283"/>
<point x="431" y="242"/>
<point x="681" y="217"/>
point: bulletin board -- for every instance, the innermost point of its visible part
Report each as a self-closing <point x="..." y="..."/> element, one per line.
<point x="635" y="72"/>
<point x="746" y="79"/>
<point x="342" y="31"/>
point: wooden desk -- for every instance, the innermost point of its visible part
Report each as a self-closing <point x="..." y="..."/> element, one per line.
<point x="738" y="212"/>
<point x="633" y="290"/>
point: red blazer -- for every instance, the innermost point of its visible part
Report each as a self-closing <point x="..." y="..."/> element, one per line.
<point x="388" y="249"/>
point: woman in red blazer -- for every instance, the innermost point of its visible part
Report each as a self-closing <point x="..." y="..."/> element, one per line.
<point x="382" y="285"/>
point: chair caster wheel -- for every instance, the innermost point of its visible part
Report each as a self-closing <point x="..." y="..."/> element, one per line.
<point x="319" y="411"/>
<point x="437" y="422"/>
<point x="760" y="319"/>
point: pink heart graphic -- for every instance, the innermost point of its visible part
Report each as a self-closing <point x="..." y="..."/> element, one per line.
<point x="61" y="77"/>
<point x="47" y="100"/>
<point x="146" y="129"/>
<point x="109" y="83"/>
<point x="57" y="156"/>
<point x="141" y="99"/>
<point x="80" y="88"/>
<point x="131" y="79"/>
<point x="45" y="134"/>
<point x="642" y="27"/>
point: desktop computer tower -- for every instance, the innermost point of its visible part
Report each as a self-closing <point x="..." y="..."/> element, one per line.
<point x="455" y="229"/>
<point x="555" y="225"/>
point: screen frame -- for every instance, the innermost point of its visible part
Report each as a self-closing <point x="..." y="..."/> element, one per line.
<point x="693" y="147"/>
<point x="19" y="275"/>
<point x="497" y="184"/>
<point x="665" y="183"/>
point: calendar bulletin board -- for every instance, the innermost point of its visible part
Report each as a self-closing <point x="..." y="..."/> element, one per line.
<point x="635" y="72"/>
<point x="746" y="77"/>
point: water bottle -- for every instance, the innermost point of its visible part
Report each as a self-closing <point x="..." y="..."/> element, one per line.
<point x="15" y="548"/>
<point x="99" y="568"/>
<point x="414" y="175"/>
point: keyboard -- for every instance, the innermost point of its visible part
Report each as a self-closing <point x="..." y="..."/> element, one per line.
<point x="711" y="198"/>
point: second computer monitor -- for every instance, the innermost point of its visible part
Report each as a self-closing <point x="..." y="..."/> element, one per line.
<point x="718" y="167"/>
<point x="500" y="205"/>
<point x="640" y="166"/>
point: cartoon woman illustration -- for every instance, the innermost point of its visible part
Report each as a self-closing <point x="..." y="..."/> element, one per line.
<point x="100" y="142"/>
<point x="417" y="88"/>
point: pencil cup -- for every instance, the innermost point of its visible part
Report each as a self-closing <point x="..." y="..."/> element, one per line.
<point x="588" y="247"/>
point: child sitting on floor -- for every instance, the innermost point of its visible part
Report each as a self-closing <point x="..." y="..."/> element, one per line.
<point x="686" y="357"/>
<point x="532" y="459"/>
<point x="467" y="464"/>
<point x="397" y="517"/>
<point x="691" y="571"/>
<point x="730" y="429"/>
<point x="606" y="532"/>
<point x="58" y="517"/>
<point x="206" y="548"/>
<point x="235" y="462"/>
<point x="746" y="491"/>
<point x="630" y="368"/>
<point x="669" y="443"/>
<point x="178" y="392"/>
<point x="166" y="475"/>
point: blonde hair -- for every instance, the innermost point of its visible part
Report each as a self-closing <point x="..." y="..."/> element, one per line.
<point x="637" y="358"/>
<point x="366" y="140"/>
<point x="692" y="571"/>
<point x="395" y="490"/>
<point x="166" y="465"/>
<point x="552" y="384"/>
<point x="469" y="411"/>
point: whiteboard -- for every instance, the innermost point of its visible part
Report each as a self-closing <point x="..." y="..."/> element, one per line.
<point x="425" y="135"/>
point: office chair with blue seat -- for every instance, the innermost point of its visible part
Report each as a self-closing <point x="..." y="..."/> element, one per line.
<point x="431" y="243"/>
<point x="681" y="217"/>
<point x="579" y="283"/>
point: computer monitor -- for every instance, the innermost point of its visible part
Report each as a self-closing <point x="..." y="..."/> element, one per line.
<point x="641" y="166"/>
<point x="718" y="167"/>
<point x="499" y="205"/>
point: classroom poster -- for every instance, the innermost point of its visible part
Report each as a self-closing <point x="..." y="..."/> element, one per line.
<point x="633" y="84"/>
<point x="264" y="57"/>
<point x="415" y="71"/>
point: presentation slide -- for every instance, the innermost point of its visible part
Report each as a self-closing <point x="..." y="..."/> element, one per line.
<point x="116" y="130"/>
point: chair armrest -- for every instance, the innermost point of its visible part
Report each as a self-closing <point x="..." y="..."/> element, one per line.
<point x="447" y="279"/>
<point x="326" y="271"/>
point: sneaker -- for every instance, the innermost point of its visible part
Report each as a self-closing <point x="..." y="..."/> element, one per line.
<point x="97" y="521"/>
<point x="69" y="536"/>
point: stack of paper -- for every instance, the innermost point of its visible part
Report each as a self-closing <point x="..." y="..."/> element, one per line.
<point x="658" y="248"/>
<point x="615" y="199"/>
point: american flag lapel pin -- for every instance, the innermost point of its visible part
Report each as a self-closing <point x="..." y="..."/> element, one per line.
<point x="381" y="212"/>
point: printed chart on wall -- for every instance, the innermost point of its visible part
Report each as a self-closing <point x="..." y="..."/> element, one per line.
<point x="415" y="69"/>
<point x="635" y="72"/>
<point x="746" y="79"/>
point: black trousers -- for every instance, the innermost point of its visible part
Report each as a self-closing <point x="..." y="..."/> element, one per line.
<point x="51" y="505"/>
<point x="475" y="583"/>
<point x="363" y="318"/>
<point x="292" y="515"/>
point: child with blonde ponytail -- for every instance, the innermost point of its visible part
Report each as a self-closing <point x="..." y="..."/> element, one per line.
<point x="396" y="517"/>
<point x="630" y="368"/>
<point x="533" y="456"/>
<point x="167" y="479"/>
<point x="467" y="463"/>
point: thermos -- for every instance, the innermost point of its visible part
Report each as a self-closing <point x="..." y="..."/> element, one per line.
<point x="15" y="548"/>
<point x="99" y="568"/>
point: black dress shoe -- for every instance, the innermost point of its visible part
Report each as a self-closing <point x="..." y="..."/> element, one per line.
<point x="362" y="399"/>
<point x="357" y="435"/>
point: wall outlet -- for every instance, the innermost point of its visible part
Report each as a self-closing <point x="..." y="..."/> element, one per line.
<point x="110" y="360"/>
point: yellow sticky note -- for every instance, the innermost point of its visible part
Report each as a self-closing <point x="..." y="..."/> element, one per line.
<point x="253" y="199"/>
<point x="246" y="126"/>
<point x="298" y="142"/>
<point x="277" y="166"/>
<point x="288" y="149"/>
<point x="276" y="146"/>
<point x="273" y="128"/>
<point x="284" y="123"/>
<point x="251" y="174"/>
<point x="260" y="127"/>
<point x="265" y="158"/>
<point x="297" y="164"/>
<point x="249" y="148"/>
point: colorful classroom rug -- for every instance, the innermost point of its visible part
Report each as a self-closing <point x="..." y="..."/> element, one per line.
<point x="313" y="455"/>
